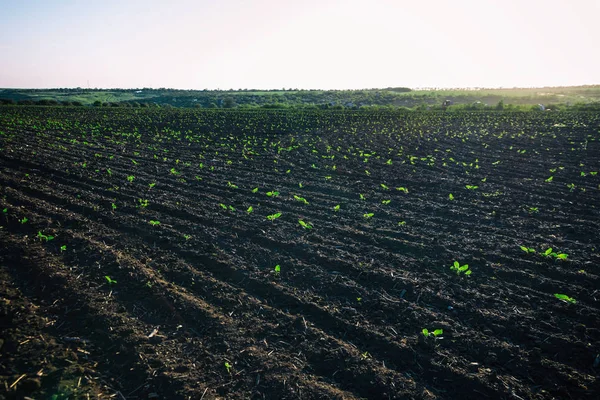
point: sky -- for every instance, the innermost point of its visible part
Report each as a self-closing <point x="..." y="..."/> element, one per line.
<point x="310" y="44"/>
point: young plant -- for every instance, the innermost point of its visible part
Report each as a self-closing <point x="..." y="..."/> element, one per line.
<point x="277" y="270"/>
<point x="402" y="189"/>
<point x="142" y="203"/>
<point x="386" y="202"/>
<point x="273" y="194"/>
<point x="250" y="209"/>
<point x="305" y="225"/>
<point x="130" y="178"/>
<point x="228" y="367"/>
<point x="23" y="220"/>
<point x="231" y="185"/>
<point x="47" y="238"/>
<point x="385" y="187"/>
<point x="300" y="199"/>
<point x="368" y="215"/>
<point x="435" y="333"/>
<point x="471" y="187"/>
<point x="336" y="208"/>
<point x="451" y="196"/>
<point x="273" y="217"/>
<point x="110" y="280"/>
<point x="63" y="247"/>
<point x="527" y="250"/>
<point x="565" y="298"/>
<point x="460" y="268"/>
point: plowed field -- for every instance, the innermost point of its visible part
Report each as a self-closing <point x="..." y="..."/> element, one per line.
<point x="172" y="254"/>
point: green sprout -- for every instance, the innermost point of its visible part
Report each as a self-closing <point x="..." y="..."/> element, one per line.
<point x="368" y="215"/>
<point x="435" y="333"/>
<point x="461" y="268"/>
<point x="301" y="199"/>
<point x="451" y="196"/>
<point x="565" y="298"/>
<point x="273" y="194"/>
<point x="250" y="209"/>
<point x="571" y="187"/>
<point x="110" y="280"/>
<point x="174" y="171"/>
<point x="385" y="187"/>
<point x="527" y="249"/>
<point x="231" y="185"/>
<point x="255" y="190"/>
<point x="151" y="185"/>
<point x="63" y="247"/>
<point x="362" y="196"/>
<point x="402" y="189"/>
<point x="154" y="223"/>
<point x="44" y="237"/>
<point x="5" y="210"/>
<point x="113" y="206"/>
<point x="23" y="220"/>
<point x="273" y="217"/>
<point x="277" y="269"/>
<point x="304" y="224"/>
<point x="223" y="206"/>
<point x="142" y="203"/>
<point x="300" y="185"/>
<point x="550" y="253"/>
<point x="471" y="187"/>
<point x="549" y="179"/>
<point x="228" y="367"/>
<point x="187" y="237"/>
<point x="386" y="202"/>
<point x="130" y="178"/>
<point x="336" y="208"/>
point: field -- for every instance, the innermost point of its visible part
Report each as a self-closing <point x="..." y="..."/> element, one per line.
<point x="180" y="254"/>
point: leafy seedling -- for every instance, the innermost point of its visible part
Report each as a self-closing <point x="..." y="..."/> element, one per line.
<point x="402" y="189"/>
<point x="527" y="250"/>
<point x="304" y="224"/>
<point x="471" y="187"/>
<point x="273" y="194"/>
<point x="250" y="209"/>
<point x="336" y="208"/>
<point x="300" y="199"/>
<point x="23" y="220"/>
<point x="386" y="202"/>
<point x="63" y="247"/>
<point x="461" y="268"/>
<point x="451" y="196"/>
<point x="273" y="217"/>
<point x="154" y="223"/>
<point x="368" y="215"/>
<point x="44" y="237"/>
<point x="228" y="367"/>
<point x="435" y="333"/>
<point x="255" y="190"/>
<point x="565" y="298"/>
<point x="110" y="280"/>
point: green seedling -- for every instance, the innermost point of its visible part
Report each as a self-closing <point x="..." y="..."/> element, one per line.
<point x="142" y="203"/>
<point x="300" y="199"/>
<point x="386" y="202"/>
<point x="368" y="215"/>
<point x="451" y="196"/>
<point x="228" y="367"/>
<point x="255" y="190"/>
<point x="47" y="238"/>
<point x="23" y="220"/>
<point x="555" y="255"/>
<point x="63" y="247"/>
<point x="401" y="223"/>
<point x="231" y="208"/>
<point x="110" y="280"/>
<point x="527" y="250"/>
<point x="187" y="237"/>
<point x="594" y="173"/>
<point x="565" y="298"/>
<point x="533" y="210"/>
<point x="549" y="179"/>
<point x="362" y="196"/>
<point x="571" y="187"/>
<point x="461" y="268"/>
<point x="223" y="206"/>
<point x="273" y="194"/>
<point x="304" y="224"/>
<point x="336" y="208"/>
<point x="174" y="171"/>
<point x="385" y="187"/>
<point x="151" y="185"/>
<point x="273" y="217"/>
<point x="250" y="209"/>
<point x="130" y="178"/>
<point x="471" y="187"/>
<point x="277" y="270"/>
<point x="154" y="223"/>
<point x="5" y="210"/>
<point x="113" y="206"/>
<point x="435" y="333"/>
<point x="231" y="185"/>
<point x="402" y="189"/>
<point x="389" y="162"/>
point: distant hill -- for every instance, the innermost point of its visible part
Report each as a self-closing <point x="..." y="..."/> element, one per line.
<point x="389" y="97"/>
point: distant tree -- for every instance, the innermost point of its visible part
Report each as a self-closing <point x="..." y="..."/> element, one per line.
<point x="97" y="103"/>
<point x="229" y="102"/>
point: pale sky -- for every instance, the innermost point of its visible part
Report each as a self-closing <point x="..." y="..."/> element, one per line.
<point x="319" y="44"/>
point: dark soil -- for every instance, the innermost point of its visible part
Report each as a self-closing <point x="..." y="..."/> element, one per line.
<point x="139" y="272"/>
